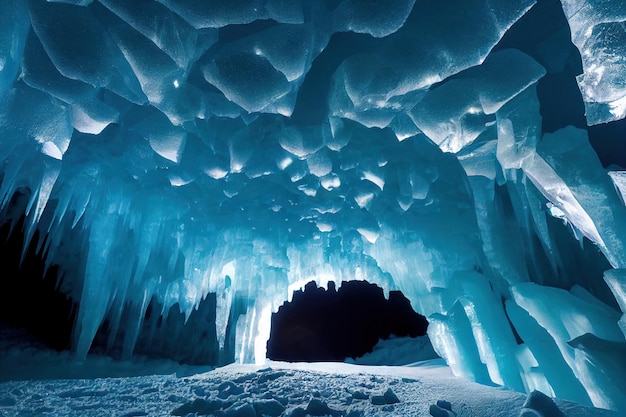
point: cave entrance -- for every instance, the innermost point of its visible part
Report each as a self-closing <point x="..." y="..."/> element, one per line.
<point x="32" y="308"/>
<point x="341" y="324"/>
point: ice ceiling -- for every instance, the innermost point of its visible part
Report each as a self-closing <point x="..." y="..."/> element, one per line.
<point x="173" y="150"/>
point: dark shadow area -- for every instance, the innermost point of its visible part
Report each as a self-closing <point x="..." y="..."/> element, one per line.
<point x="29" y="297"/>
<point x="332" y="325"/>
<point x="164" y="334"/>
<point x="33" y="307"/>
<point x="609" y="141"/>
<point x="543" y="22"/>
<point x="560" y="101"/>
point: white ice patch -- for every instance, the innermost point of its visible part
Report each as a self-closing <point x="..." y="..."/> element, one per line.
<point x="51" y="149"/>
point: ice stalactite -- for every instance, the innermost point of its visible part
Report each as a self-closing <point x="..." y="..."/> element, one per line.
<point x="191" y="160"/>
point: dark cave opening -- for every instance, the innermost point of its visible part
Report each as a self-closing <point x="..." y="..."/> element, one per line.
<point x="29" y="296"/>
<point x="318" y="325"/>
<point x="335" y="324"/>
<point x="36" y="312"/>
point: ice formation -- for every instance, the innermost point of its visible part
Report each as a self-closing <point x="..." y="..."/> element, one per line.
<point x="599" y="34"/>
<point x="189" y="152"/>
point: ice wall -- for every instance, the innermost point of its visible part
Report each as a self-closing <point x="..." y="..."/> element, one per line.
<point x="172" y="150"/>
<point x="599" y="34"/>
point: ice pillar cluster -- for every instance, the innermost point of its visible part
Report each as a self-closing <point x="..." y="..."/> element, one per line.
<point x="181" y="150"/>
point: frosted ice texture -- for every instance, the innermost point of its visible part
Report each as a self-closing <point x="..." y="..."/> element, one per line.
<point x="619" y="179"/>
<point x="166" y="150"/>
<point x="598" y="30"/>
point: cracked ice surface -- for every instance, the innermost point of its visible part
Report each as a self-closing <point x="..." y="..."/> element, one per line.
<point x="195" y="153"/>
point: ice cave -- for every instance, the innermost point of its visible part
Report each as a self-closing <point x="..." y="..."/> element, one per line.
<point x="175" y="169"/>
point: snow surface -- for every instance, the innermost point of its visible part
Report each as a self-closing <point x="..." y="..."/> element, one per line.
<point x="40" y="382"/>
<point x="280" y="388"/>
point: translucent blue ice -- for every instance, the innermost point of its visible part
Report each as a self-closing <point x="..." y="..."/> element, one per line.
<point x="597" y="30"/>
<point x="172" y="150"/>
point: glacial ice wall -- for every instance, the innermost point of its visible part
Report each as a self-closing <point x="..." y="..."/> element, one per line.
<point x="171" y="150"/>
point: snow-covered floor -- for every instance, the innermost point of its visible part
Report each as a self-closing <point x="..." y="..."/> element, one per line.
<point x="272" y="389"/>
<point x="275" y="389"/>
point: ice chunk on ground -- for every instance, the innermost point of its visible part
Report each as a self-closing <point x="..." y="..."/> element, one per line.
<point x="542" y="365"/>
<point x="539" y="404"/>
<point x="574" y="318"/>
<point x="606" y="365"/>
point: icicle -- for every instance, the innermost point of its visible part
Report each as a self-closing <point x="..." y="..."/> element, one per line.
<point x="51" y="172"/>
<point x="133" y="326"/>
<point x="98" y="286"/>
<point x="9" y="180"/>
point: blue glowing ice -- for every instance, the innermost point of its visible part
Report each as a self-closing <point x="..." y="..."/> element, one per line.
<point x="171" y="150"/>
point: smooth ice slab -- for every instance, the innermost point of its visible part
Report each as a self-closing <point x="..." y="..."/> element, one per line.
<point x="570" y="175"/>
